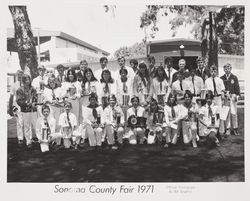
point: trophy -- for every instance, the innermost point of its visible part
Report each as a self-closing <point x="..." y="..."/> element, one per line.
<point x="125" y="100"/>
<point x="118" y="118"/>
<point x="72" y="91"/>
<point x="98" y="119"/>
<point x="104" y="101"/>
<point x="44" y="145"/>
<point x="39" y="98"/>
<point x="41" y="85"/>
<point x="160" y="98"/>
<point x="67" y="132"/>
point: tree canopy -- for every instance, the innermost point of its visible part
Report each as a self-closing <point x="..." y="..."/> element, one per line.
<point x="135" y="50"/>
<point x="229" y="23"/>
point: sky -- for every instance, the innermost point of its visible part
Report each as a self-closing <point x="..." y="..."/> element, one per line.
<point x="90" y="23"/>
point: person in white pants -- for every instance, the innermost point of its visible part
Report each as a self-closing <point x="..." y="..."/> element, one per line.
<point x="26" y="98"/>
<point x="48" y="123"/>
<point x="113" y="119"/>
<point x="14" y="109"/>
<point x="92" y="121"/>
<point x="68" y="127"/>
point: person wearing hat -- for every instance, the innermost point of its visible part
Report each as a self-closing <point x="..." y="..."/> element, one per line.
<point x="201" y="70"/>
<point x="69" y="127"/>
<point x="136" y="131"/>
<point x="216" y="85"/>
<point x="14" y="109"/>
<point x="182" y="70"/>
<point x="26" y="98"/>
<point x="232" y="93"/>
<point x="142" y="84"/>
<point x="113" y="119"/>
<point x="61" y="76"/>
<point x="197" y="84"/>
<point x="92" y="121"/>
<point x="209" y="117"/>
<point x="45" y="128"/>
<point x="160" y="86"/>
<point x="155" y="115"/>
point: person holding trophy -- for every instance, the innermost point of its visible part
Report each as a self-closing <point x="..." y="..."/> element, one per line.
<point x="72" y="92"/>
<point x="141" y="84"/>
<point x="136" y="122"/>
<point x="69" y="127"/>
<point x="124" y="91"/>
<point x="105" y="87"/>
<point x="92" y="123"/>
<point x="26" y="98"/>
<point x="209" y="116"/>
<point x="113" y="119"/>
<point x="45" y="130"/>
<point x="52" y="96"/>
<point x="159" y="87"/>
<point x="155" y="117"/>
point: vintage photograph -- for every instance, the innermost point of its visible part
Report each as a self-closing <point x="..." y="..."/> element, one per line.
<point x="125" y="93"/>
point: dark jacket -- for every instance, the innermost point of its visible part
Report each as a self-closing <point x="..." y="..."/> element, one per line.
<point x="204" y="75"/>
<point x="232" y="84"/>
<point x="25" y="100"/>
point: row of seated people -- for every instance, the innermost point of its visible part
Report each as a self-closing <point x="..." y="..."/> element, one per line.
<point x="153" y="124"/>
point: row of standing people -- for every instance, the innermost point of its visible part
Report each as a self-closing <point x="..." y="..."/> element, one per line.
<point x="145" y="83"/>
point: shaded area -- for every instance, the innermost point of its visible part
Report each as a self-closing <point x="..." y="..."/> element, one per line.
<point x="140" y="163"/>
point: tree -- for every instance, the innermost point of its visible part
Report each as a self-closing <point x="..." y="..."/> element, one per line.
<point x="25" y="42"/>
<point x="136" y="50"/>
<point x="228" y="24"/>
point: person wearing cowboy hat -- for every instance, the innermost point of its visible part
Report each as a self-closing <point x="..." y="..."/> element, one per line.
<point x="233" y="92"/>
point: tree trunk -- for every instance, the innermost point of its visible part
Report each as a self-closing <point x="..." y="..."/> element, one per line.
<point x="25" y="42"/>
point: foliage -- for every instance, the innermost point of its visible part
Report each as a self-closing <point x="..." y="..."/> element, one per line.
<point x="229" y="23"/>
<point x="136" y="50"/>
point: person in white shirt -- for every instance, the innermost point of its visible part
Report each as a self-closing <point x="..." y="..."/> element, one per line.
<point x="197" y="84"/>
<point x="72" y="91"/>
<point x="106" y="87"/>
<point x="113" y="119"/>
<point x="155" y="115"/>
<point x="124" y="90"/>
<point x="45" y="128"/>
<point x="142" y="83"/>
<point x="103" y="63"/>
<point x="69" y="127"/>
<point x="14" y="109"/>
<point x="39" y="84"/>
<point x="92" y="121"/>
<point x="122" y="62"/>
<point x="89" y="85"/>
<point x="134" y="65"/>
<point x="189" y="123"/>
<point x="170" y="71"/>
<point x="182" y="70"/>
<point x="160" y="88"/>
<point x="136" y="131"/>
<point x="181" y="85"/>
<point x="53" y="96"/>
<point x="173" y="113"/>
<point x="209" y="117"/>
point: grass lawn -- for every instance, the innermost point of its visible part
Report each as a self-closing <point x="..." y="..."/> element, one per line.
<point x="140" y="163"/>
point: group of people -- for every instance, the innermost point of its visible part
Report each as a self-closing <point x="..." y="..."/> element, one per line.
<point x="138" y="104"/>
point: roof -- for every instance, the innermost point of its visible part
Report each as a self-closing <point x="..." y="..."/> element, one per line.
<point x="175" y="41"/>
<point x="44" y="34"/>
